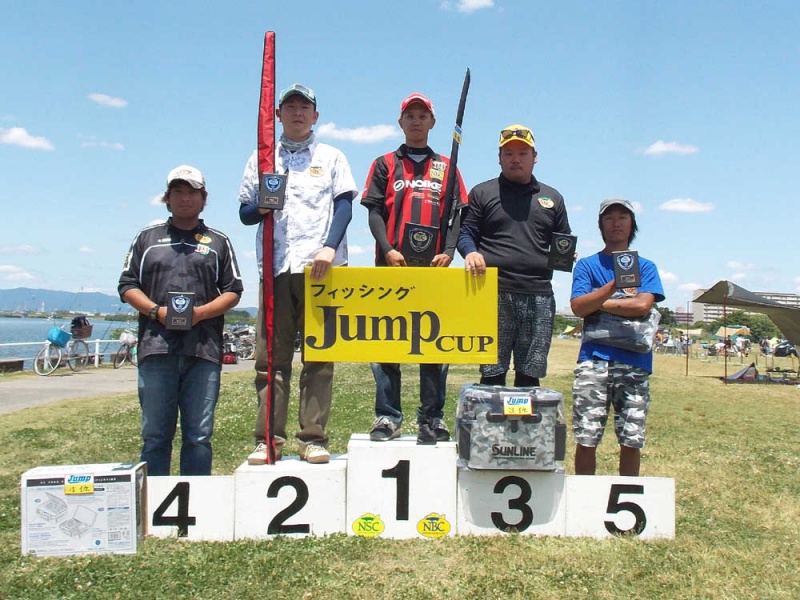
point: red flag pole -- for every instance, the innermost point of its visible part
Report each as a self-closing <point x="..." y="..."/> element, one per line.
<point x="266" y="164"/>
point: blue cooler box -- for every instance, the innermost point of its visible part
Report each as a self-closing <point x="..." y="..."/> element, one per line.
<point x="510" y="428"/>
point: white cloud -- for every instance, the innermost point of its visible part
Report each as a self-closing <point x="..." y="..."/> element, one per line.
<point x="738" y="276"/>
<point x="356" y="249"/>
<point x="156" y="200"/>
<point x="739" y="266"/>
<point x="466" y="6"/>
<point x="91" y="142"/>
<point x="686" y="205"/>
<point x="576" y="209"/>
<point x="156" y="222"/>
<point x="667" y="277"/>
<point x="661" y="147"/>
<point x="360" y="135"/>
<point x="106" y="100"/>
<point x="18" y="136"/>
<point x="21" y="276"/>
<point x="23" y="249"/>
<point x="86" y="250"/>
<point x="12" y="273"/>
<point x="689" y="287"/>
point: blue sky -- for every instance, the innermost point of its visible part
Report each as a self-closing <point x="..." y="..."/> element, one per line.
<point x="687" y="109"/>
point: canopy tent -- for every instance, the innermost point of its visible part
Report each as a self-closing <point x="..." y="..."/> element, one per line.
<point x="786" y="318"/>
<point x="734" y="331"/>
<point x="691" y="332"/>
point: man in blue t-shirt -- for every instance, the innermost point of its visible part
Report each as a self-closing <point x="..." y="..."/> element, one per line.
<point x="607" y="376"/>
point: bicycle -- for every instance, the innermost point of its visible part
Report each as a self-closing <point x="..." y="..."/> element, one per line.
<point x="128" y="350"/>
<point x="59" y="346"/>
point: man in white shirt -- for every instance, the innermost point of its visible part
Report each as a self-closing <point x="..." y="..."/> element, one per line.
<point x="308" y="231"/>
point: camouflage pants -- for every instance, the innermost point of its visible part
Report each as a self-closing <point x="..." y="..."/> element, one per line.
<point x="524" y="326"/>
<point x="600" y="384"/>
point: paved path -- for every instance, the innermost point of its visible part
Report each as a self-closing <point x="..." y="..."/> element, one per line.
<point x="26" y="392"/>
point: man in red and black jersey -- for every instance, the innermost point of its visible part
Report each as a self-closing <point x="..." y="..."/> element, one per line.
<point x="404" y="194"/>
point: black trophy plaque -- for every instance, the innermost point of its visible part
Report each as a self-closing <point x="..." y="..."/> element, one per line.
<point x="562" y="252"/>
<point x="272" y="191"/>
<point x="626" y="269"/>
<point x="180" y="306"/>
<point x="419" y="244"/>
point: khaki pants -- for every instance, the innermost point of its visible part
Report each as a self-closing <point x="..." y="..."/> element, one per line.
<point x="316" y="378"/>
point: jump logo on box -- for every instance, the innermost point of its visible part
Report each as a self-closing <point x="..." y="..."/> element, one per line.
<point x="79" y="479"/>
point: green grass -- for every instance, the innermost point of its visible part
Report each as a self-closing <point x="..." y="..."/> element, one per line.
<point x="732" y="450"/>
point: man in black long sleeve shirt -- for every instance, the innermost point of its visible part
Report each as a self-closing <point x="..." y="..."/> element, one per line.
<point x="509" y="224"/>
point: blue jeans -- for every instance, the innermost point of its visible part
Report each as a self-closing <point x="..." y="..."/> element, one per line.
<point x="169" y="384"/>
<point x="432" y="391"/>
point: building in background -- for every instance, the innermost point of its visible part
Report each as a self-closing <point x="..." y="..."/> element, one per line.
<point x="712" y="312"/>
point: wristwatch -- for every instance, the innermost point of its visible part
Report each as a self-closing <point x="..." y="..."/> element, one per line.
<point x="153" y="314"/>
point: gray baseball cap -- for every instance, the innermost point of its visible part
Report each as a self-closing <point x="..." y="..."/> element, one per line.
<point x="298" y="89"/>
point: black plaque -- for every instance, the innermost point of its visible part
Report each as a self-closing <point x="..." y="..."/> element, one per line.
<point x="562" y="252"/>
<point x="419" y="244"/>
<point x="180" y="307"/>
<point x="626" y="269"/>
<point x="272" y="191"/>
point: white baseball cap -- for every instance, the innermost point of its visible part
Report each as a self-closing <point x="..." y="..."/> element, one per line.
<point x="188" y="174"/>
<point x="606" y="204"/>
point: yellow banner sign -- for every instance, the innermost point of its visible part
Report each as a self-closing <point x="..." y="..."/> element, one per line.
<point x="401" y="315"/>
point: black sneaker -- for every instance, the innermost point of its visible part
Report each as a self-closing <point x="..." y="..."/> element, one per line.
<point x="426" y="436"/>
<point x="384" y="429"/>
<point x="440" y="430"/>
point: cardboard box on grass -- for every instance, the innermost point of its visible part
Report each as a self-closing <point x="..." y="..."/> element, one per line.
<point x="81" y="509"/>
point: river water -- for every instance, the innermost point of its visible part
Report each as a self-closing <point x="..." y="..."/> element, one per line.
<point x="35" y="330"/>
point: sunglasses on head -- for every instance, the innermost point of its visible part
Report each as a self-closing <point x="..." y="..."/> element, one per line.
<point x="522" y="134"/>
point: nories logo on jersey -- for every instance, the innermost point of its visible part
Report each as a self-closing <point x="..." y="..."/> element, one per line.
<point x="417" y="184"/>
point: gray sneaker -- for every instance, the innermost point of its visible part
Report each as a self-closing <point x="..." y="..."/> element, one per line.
<point x="384" y="429"/>
<point x="440" y="429"/>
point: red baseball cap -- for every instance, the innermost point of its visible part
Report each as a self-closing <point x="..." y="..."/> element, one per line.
<point x="417" y="97"/>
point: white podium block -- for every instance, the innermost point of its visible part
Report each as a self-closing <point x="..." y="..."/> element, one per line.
<point x="291" y="498"/>
<point x="495" y="502"/>
<point x="398" y="489"/>
<point x="600" y="506"/>
<point x="192" y="508"/>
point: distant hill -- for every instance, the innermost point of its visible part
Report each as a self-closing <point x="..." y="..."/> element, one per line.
<point x="33" y="300"/>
